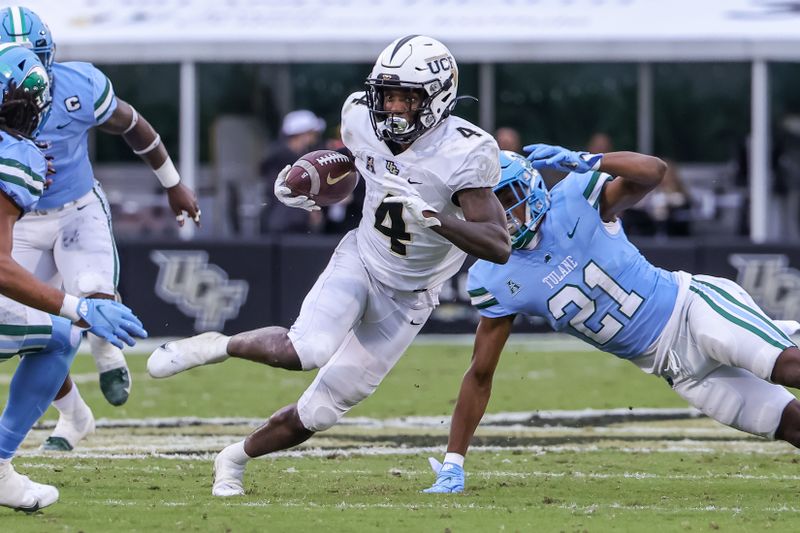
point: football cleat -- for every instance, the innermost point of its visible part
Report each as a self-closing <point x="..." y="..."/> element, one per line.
<point x="116" y="385"/>
<point x="176" y="356"/>
<point x="69" y="431"/>
<point x="21" y="494"/>
<point x="450" y="479"/>
<point x="228" y="476"/>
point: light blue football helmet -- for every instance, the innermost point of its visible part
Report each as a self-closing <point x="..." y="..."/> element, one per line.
<point x="529" y="188"/>
<point x="22" y="26"/>
<point x="25" y="87"/>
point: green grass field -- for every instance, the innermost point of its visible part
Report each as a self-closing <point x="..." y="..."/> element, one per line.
<point x="681" y="474"/>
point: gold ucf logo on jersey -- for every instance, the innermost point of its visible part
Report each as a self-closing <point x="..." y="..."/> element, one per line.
<point x="371" y="164"/>
<point x="391" y="167"/>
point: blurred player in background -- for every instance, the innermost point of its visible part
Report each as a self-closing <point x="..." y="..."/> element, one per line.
<point x="46" y="342"/>
<point x="429" y="179"/>
<point x="300" y="133"/>
<point x="67" y="240"/>
<point x="573" y="265"/>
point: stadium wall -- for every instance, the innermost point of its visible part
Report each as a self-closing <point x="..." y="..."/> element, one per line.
<point x="187" y="287"/>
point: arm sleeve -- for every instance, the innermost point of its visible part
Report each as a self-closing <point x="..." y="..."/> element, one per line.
<point x="481" y="168"/>
<point x="22" y="171"/>
<point x="103" y="97"/>
<point x="481" y="297"/>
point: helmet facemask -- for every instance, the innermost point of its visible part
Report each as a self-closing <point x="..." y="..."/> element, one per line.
<point x="26" y="95"/>
<point x="392" y="126"/>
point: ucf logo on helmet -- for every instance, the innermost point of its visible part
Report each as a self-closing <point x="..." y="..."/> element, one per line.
<point x="438" y="64"/>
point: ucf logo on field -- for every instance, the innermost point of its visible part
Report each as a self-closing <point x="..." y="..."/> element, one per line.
<point x="773" y="284"/>
<point x="199" y="289"/>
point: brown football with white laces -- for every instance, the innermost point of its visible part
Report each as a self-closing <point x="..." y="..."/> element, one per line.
<point x="325" y="176"/>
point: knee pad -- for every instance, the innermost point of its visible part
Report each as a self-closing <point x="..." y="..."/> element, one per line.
<point x="737" y="398"/>
<point x="720" y="402"/>
<point x="316" y="417"/>
<point x="93" y="283"/>
<point x="332" y="395"/>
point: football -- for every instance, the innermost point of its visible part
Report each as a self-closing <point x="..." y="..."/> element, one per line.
<point x="325" y="176"/>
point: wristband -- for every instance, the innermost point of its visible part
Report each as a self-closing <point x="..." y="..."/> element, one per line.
<point x="134" y="121"/>
<point x="69" y="308"/>
<point x="167" y="174"/>
<point x="593" y="160"/>
<point x="149" y="148"/>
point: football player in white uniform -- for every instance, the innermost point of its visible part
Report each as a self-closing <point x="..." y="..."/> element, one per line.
<point x="429" y="201"/>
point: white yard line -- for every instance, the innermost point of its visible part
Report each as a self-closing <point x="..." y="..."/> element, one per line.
<point x="201" y="453"/>
<point x="506" y="420"/>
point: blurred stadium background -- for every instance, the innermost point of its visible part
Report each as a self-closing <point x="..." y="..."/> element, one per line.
<point x="713" y="86"/>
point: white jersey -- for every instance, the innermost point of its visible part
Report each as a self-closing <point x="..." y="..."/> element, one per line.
<point x="453" y="156"/>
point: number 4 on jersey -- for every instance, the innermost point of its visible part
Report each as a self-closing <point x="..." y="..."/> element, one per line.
<point x="389" y="221"/>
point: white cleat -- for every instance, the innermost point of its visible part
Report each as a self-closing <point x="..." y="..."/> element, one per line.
<point x="69" y="431"/>
<point x="21" y="494"/>
<point x="177" y="356"/>
<point x="228" y="476"/>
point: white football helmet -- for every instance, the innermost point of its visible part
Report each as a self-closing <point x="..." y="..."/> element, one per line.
<point x="412" y="62"/>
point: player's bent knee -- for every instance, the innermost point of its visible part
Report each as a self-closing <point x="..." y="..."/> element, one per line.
<point x="789" y="427"/>
<point x="787" y="368"/>
<point x="318" y="418"/>
<point x="331" y="397"/>
<point x="92" y="283"/>
<point x="314" y="354"/>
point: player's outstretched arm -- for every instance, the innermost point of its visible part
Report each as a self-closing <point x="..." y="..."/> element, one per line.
<point x="105" y="318"/>
<point x="476" y="388"/>
<point x="637" y="175"/>
<point x="483" y="233"/>
<point x="146" y="143"/>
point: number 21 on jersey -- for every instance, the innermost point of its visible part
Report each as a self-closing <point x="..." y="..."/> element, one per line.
<point x="594" y="276"/>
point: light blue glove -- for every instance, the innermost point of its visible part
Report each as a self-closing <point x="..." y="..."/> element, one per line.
<point x="449" y="478"/>
<point x="558" y="158"/>
<point x="111" y="321"/>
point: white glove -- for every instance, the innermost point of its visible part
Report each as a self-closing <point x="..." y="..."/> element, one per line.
<point x="284" y="193"/>
<point x="401" y="193"/>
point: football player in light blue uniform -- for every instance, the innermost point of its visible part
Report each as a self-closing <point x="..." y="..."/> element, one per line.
<point x="573" y="265"/>
<point x="68" y="240"/>
<point x="36" y="319"/>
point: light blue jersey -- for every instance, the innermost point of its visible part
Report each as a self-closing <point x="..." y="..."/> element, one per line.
<point x="22" y="171"/>
<point x="584" y="277"/>
<point x="82" y="99"/>
<point x="22" y="174"/>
